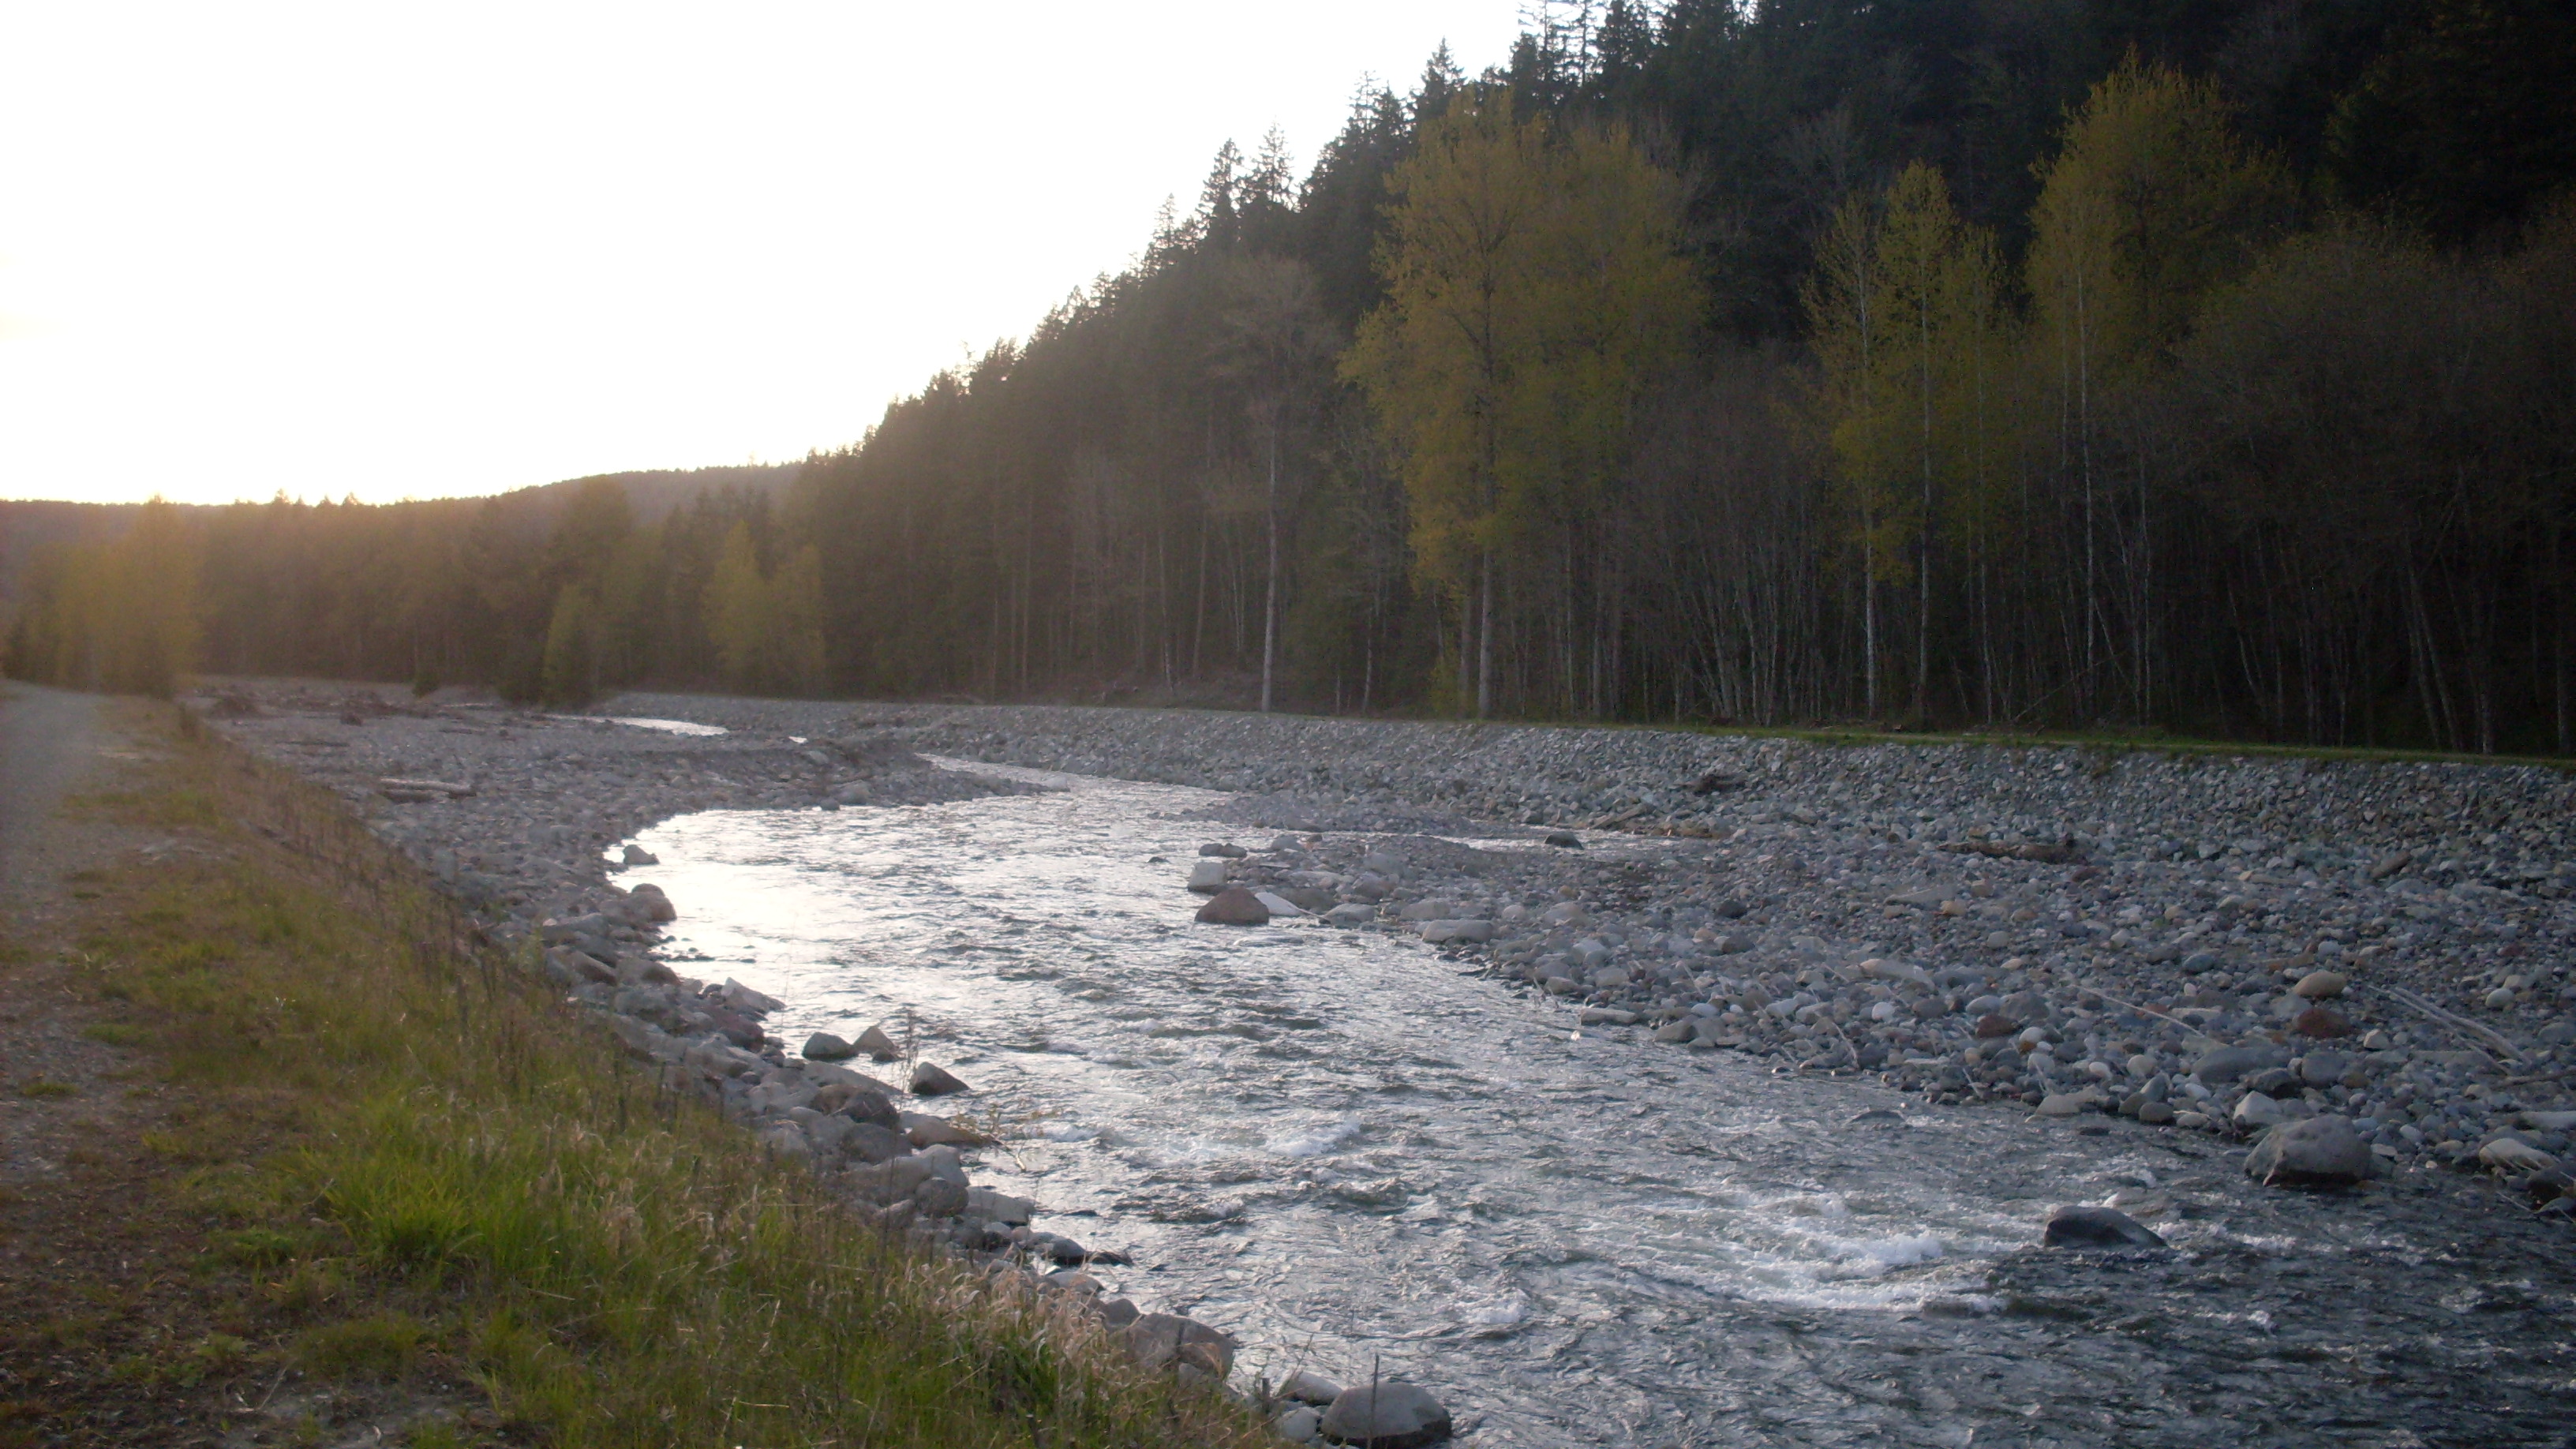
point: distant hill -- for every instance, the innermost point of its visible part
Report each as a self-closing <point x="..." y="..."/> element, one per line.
<point x="27" y="525"/>
<point x="655" y="492"/>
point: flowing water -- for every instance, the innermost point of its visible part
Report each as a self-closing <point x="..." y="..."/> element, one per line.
<point x="1360" y="1157"/>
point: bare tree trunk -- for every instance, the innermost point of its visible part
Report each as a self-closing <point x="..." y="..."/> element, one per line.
<point x="1270" y="599"/>
<point x="1485" y="635"/>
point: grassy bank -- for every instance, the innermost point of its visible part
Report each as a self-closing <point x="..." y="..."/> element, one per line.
<point x="374" y="1169"/>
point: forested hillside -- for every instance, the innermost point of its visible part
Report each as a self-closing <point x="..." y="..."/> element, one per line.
<point x="2193" y="363"/>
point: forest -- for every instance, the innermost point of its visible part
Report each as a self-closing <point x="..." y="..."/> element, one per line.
<point x="2204" y="366"/>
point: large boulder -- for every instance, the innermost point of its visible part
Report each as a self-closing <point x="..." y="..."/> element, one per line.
<point x="822" y="1046"/>
<point x="859" y="1104"/>
<point x="877" y="1045"/>
<point x="1162" y="1340"/>
<point x="2316" y="1152"/>
<point x="2079" y="1226"/>
<point x="870" y="1143"/>
<point x="930" y="1081"/>
<point x="1307" y="1387"/>
<point x="1390" y="1414"/>
<point x="1234" y="906"/>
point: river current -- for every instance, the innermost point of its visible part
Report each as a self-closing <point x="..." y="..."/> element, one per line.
<point x="1361" y="1156"/>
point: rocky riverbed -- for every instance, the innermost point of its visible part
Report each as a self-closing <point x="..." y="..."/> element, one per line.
<point x="2355" y="970"/>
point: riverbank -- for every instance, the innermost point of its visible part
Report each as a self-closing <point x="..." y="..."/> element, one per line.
<point x="2222" y="943"/>
<point x="332" y="1170"/>
<point x="2217" y="944"/>
<point x="1619" y="875"/>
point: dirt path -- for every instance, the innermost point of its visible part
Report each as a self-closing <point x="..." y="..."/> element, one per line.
<point x="93" y="1258"/>
<point x="52" y="743"/>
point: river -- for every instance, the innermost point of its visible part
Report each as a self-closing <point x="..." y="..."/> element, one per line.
<point x="1361" y="1156"/>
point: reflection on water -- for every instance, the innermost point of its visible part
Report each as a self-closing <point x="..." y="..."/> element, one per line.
<point x="1357" y="1155"/>
<point x="667" y="726"/>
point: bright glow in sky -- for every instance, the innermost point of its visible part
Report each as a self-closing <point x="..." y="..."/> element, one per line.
<point x="443" y="249"/>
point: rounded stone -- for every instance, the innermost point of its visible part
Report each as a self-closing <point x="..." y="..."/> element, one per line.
<point x="1234" y="906"/>
<point x="1391" y="1414"/>
<point x="2081" y="1226"/>
<point x="2320" y="985"/>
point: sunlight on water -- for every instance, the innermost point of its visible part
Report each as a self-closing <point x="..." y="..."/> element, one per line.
<point x="1355" y="1155"/>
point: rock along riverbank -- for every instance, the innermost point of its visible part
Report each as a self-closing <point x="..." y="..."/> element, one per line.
<point x="2356" y="967"/>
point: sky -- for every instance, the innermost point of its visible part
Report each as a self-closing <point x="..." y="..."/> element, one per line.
<point x="425" y="250"/>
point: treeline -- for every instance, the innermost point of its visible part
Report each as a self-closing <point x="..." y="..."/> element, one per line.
<point x="2164" y="362"/>
<point x="543" y="598"/>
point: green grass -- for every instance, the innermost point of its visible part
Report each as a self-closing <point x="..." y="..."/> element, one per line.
<point x="427" y="1160"/>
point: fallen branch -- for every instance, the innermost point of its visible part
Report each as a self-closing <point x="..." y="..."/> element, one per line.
<point x="2057" y="854"/>
<point x="2133" y="1006"/>
<point x="2409" y="998"/>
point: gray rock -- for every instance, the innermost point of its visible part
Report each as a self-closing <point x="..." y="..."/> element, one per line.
<point x="2226" y="1064"/>
<point x="929" y="1080"/>
<point x="2274" y="1082"/>
<point x="1298" y="1425"/>
<point x="747" y="1002"/>
<point x="1163" y="1340"/>
<point x="822" y="1046"/>
<point x="2079" y="1226"/>
<point x="636" y="970"/>
<point x="859" y="1104"/>
<point x="1208" y="877"/>
<point x="582" y="966"/>
<point x="657" y="906"/>
<point x="1354" y="914"/>
<point x="1223" y="851"/>
<point x="1234" y="906"/>
<point x="638" y="855"/>
<point x="937" y="1197"/>
<point x="2319" y="1152"/>
<point x="999" y="1207"/>
<point x="1306" y="1387"/>
<point x="872" y="1142"/>
<point x="2324" y="1069"/>
<point x="1439" y="932"/>
<point x="1391" y="1414"/>
<point x="2256" y="1109"/>
<point x="877" y="1046"/>
<point x="1115" y="1313"/>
